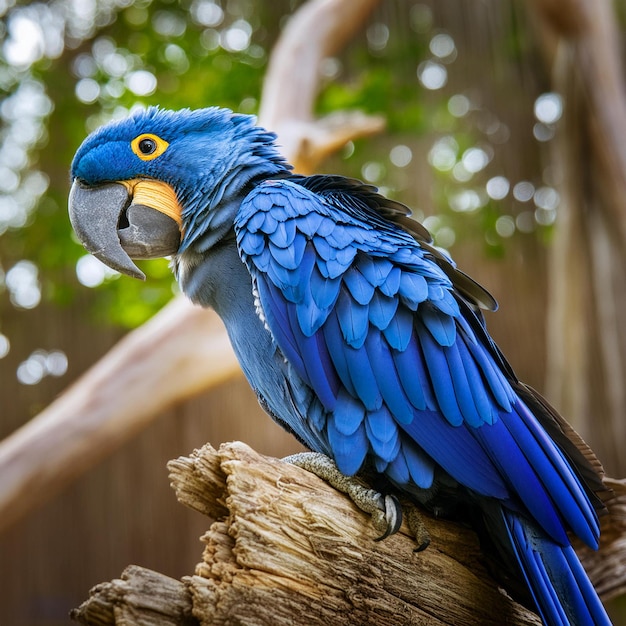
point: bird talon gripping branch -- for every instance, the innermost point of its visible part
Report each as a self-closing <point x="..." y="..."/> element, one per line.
<point x="385" y="511"/>
<point x="362" y="338"/>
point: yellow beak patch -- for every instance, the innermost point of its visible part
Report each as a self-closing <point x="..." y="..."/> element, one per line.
<point x="157" y="195"/>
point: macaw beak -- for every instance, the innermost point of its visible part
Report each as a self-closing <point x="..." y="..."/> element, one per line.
<point x="118" y="222"/>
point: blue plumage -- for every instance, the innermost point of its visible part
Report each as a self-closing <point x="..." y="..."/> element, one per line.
<point x="366" y="342"/>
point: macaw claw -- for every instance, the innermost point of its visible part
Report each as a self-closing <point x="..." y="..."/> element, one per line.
<point x="385" y="510"/>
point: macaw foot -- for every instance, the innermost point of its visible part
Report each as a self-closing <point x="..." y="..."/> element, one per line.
<point x="416" y="525"/>
<point x="386" y="511"/>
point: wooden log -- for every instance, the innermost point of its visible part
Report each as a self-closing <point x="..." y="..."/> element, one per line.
<point x="140" y="596"/>
<point x="288" y="549"/>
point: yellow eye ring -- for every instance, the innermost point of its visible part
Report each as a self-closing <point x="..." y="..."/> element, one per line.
<point x="148" y="146"/>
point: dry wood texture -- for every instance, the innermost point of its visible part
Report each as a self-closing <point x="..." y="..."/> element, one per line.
<point x="288" y="549"/>
<point x="140" y="596"/>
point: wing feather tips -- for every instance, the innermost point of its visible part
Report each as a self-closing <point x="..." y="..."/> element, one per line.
<point x="439" y="374"/>
<point x="349" y="451"/>
<point x="556" y="474"/>
<point x="389" y="384"/>
<point x="411" y="466"/>
<point x="382" y="433"/>
<point x="558" y="583"/>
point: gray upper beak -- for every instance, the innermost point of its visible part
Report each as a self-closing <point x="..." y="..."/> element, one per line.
<point x="115" y="230"/>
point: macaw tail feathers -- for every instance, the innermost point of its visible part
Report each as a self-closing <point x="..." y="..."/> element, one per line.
<point x="562" y="592"/>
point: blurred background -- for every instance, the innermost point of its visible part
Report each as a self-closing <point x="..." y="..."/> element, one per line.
<point x="478" y="141"/>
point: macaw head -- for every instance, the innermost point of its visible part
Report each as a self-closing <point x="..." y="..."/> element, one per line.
<point x="159" y="182"/>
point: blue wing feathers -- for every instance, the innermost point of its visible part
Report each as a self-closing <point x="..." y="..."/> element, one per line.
<point x="324" y="228"/>
<point x="348" y="414"/>
<point x="442" y="327"/>
<point x="323" y="291"/>
<point x="382" y="310"/>
<point x="374" y="269"/>
<point x="284" y="234"/>
<point x="333" y="337"/>
<point x="455" y="450"/>
<point x="348" y="450"/>
<point x="555" y="473"/>
<point x="388" y="383"/>
<point x="413" y="289"/>
<point x="398" y="470"/>
<point x="558" y="583"/>
<point x="359" y="287"/>
<point x="311" y="223"/>
<point x="406" y="373"/>
<point x="263" y="260"/>
<point x="363" y="378"/>
<point x="340" y="238"/>
<point x="382" y="433"/>
<point x="421" y="467"/>
<point x="290" y="257"/>
<point x="254" y="242"/>
<point x="400" y="330"/>
<point x="522" y="477"/>
<point x="412" y="373"/>
<point x="323" y="248"/>
<point x="336" y="267"/>
<point x="275" y="310"/>
<point x="345" y="256"/>
<point x="439" y="374"/>
<point x="270" y="222"/>
<point x="496" y="382"/>
<point x="283" y="278"/>
<point x="353" y="319"/>
<point x="317" y="363"/>
<point x="391" y="284"/>
<point x="478" y="385"/>
<point x="256" y="221"/>
<point x="461" y="388"/>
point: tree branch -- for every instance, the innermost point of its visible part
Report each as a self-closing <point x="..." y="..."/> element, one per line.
<point x="314" y="33"/>
<point x="167" y="360"/>
<point x="288" y="549"/>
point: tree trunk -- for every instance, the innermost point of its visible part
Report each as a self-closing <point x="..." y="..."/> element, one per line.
<point x="586" y="341"/>
<point x="288" y="549"/>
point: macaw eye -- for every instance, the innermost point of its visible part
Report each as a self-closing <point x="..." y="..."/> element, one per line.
<point x="148" y="146"/>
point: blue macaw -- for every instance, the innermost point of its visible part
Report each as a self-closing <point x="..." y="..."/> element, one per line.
<point x="357" y="335"/>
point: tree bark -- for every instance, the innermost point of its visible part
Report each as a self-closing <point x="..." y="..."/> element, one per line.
<point x="288" y="549"/>
<point x="140" y="596"/>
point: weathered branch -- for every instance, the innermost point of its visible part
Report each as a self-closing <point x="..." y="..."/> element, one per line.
<point x="288" y="549"/>
<point x="183" y="350"/>
<point x="113" y="401"/>
<point x="314" y="33"/>
<point x="140" y="596"/>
